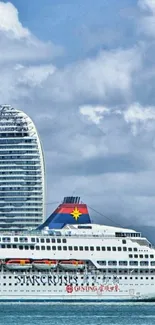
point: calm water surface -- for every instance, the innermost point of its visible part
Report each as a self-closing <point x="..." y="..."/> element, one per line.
<point x="77" y="314"/>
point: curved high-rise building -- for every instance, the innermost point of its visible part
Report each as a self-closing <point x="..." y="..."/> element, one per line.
<point x="22" y="172"/>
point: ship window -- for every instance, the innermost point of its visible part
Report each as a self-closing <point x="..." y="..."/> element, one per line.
<point x="124" y="249"/>
<point x="6" y="239"/>
<point x="37" y="248"/>
<point x="130" y="249"/>
<point x="54" y="248"/>
<point x="114" y="249"/>
<point x="31" y="247"/>
<point x="14" y="246"/>
<point x="130" y="255"/>
<point x="112" y="262"/>
<point x="8" y="246"/>
<point x="98" y="248"/>
<point x="81" y="248"/>
<point x="2" y="246"/>
<point x="47" y="240"/>
<point x="151" y="256"/>
<point x="48" y="248"/>
<point x="75" y="248"/>
<point x="123" y="263"/>
<point x="64" y="240"/>
<point x="135" y="256"/>
<point x="59" y="248"/>
<point x="64" y="248"/>
<point x="20" y="247"/>
<point x="133" y="263"/>
<point x="33" y="240"/>
<point x="142" y="263"/>
<point x="59" y="240"/>
<point x="43" y="248"/>
<point x="123" y="241"/>
<point x="103" y="248"/>
<point x="86" y="248"/>
<point x="22" y="239"/>
<point x="146" y="256"/>
<point x="16" y="239"/>
<point x="101" y="263"/>
<point x="42" y="240"/>
<point x="71" y="248"/>
<point x="91" y="248"/>
<point x="135" y="249"/>
<point x="108" y="248"/>
<point x="141" y="256"/>
<point x="26" y="247"/>
<point x="153" y="263"/>
<point x="53" y="240"/>
<point x="119" y="249"/>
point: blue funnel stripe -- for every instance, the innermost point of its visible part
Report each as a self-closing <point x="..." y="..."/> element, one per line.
<point x="59" y="218"/>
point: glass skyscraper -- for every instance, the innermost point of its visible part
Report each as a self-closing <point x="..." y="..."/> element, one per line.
<point x="22" y="172"/>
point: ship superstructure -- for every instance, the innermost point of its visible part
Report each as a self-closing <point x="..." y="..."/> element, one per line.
<point x="76" y="261"/>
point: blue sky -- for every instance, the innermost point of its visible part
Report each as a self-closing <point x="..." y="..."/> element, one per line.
<point x="79" y="26"/>
<point x="85" y="73"/>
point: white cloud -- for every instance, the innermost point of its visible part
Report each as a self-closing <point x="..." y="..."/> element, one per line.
<point x="103" y="164"/>
<point x="137" y="113"/>
<point x="147" y="5"/>
<point x="147" y="26"/>
<point x="140" y="118"/>
<point x="147" y="21"/>
<point x="94" y="114"/>
<point x="17" y="42"/>
<point x="110" y="73"/>
<point x="34" y="75"/>
<point x="134" y="114"/>
<point x="10" y="23"/>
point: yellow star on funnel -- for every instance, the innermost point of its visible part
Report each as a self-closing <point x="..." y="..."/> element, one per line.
<point x="76" y="213"/>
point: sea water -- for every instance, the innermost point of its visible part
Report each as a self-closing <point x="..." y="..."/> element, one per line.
<point x="77" y="314"/>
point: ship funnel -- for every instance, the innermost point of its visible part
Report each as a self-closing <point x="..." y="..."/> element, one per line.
<point x="71" y="211"/>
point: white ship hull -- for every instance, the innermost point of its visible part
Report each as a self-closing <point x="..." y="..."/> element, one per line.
<point x="65" y="287"/>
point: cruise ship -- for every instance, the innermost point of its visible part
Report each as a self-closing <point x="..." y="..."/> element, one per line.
<point x="70" y="258"/>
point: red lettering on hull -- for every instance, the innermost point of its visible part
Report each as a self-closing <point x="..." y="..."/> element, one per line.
<point x="101" y="288"/>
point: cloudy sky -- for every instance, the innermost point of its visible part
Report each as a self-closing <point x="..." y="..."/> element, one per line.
<point x="84" y="70"/>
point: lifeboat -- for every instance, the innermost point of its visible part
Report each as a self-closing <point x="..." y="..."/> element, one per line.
<point x="45" y="264"/>
<point x="18" y="264"/>
<point x="72" y="265"/>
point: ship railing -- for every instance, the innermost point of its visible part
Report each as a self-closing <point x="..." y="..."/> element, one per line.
<point x="54" y="234"/>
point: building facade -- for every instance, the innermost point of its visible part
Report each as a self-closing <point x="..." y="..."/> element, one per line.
<point x="22" y="172"/>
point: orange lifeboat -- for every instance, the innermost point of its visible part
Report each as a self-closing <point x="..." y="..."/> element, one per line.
<point x="45" y="264"/>
<point x="72" y="265"/>
<point x="18" y="264"/>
